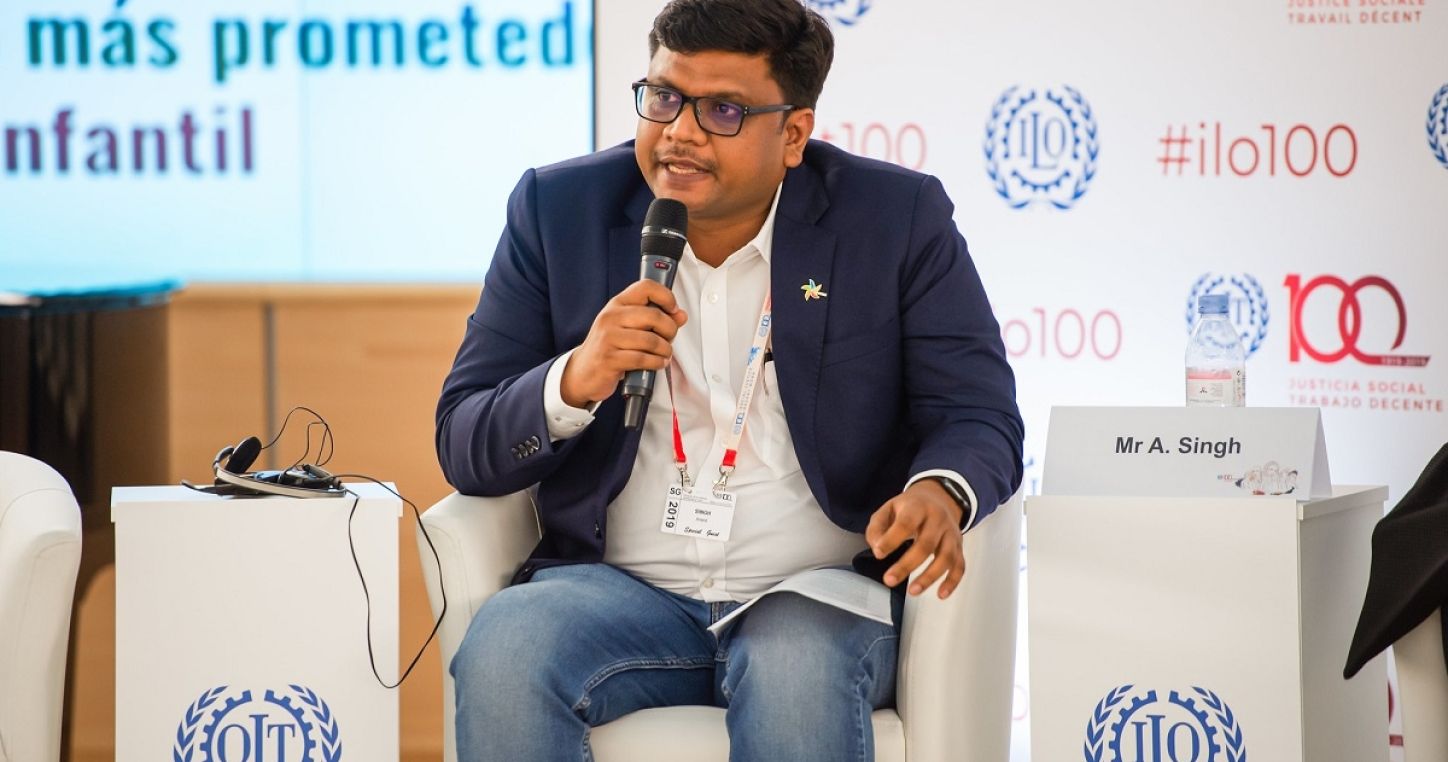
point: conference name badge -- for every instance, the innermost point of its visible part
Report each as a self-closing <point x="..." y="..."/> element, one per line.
<point x="706" y="516"/>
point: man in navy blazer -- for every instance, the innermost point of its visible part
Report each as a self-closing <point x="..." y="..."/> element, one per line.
<point x="899" y="370"/>
<point x="891" y="376"/>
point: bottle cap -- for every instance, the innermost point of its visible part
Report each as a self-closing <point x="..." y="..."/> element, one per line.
<point x="1212" y="304"/>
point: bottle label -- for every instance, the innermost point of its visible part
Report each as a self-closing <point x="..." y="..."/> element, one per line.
<point x="1222" y="388"/>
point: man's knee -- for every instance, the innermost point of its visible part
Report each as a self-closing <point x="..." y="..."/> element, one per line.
<point x="510" y="645"/>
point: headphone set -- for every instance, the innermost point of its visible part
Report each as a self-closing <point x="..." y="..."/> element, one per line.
<point x="306" y="480"/>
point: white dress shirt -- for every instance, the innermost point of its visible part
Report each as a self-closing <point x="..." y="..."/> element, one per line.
<point x="779" y="528"/>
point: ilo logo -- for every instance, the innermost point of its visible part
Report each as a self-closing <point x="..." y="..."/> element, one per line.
<point x="1363" y="304"/>
<point x="847" y="12"/>
<point x="245" y="726"/>
<point x="1141" y="726"/>
<point x="1246" y="306"/>
<point x="1041" y="146"/>
<point x="1438" y="126"/>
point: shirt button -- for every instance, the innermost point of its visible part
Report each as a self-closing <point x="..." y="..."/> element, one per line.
<point x="709" y="582"/>
<point x="716" y="378"/>
<point x="714" y="298"/>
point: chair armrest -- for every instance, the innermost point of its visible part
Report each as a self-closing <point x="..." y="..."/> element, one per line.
<point x="480" y="543"/>
<point x="956" y="674"/>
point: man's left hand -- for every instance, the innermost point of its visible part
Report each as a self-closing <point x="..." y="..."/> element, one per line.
<point x="927" y="514"/>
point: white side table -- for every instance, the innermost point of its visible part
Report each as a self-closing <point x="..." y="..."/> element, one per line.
<point x="1202" y="629"/>
<point x="240" y="627"/>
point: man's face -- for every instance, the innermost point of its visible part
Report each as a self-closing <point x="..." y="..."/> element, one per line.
<point x="719" y="178"/>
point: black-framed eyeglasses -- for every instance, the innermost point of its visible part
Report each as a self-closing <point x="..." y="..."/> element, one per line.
<point x="657" y="103"/>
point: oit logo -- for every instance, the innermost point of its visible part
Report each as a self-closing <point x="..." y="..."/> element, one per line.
<point x="245" y="726"/>
<point x="1246" y="306"/>
<point x="1438" y="126"/>
<point x="846" y="12"/>
<point x="1139" y="726"/>
<point x="1041" y="146"/>
<point x="1351" y="319"/>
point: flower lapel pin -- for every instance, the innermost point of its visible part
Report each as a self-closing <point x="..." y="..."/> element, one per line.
<point x="813" y="290"/>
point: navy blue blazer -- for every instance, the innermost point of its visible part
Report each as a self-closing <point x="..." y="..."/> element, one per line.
<point x="898" y="370"/>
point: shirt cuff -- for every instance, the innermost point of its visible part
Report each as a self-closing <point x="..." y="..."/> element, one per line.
<point x="959" y="482"/>
<point x="564" y="420"/>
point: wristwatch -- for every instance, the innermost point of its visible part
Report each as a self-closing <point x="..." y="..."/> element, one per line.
<point x="957" y="494"/>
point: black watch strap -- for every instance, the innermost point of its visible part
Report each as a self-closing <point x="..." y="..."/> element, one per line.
<point x="957" y="494"/>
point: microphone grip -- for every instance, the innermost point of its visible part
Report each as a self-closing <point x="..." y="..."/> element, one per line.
<point x="638" y="385"/>
<point x="633" y="410"/>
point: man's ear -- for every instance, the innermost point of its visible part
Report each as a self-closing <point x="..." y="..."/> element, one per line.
<point x="798" y="126"/>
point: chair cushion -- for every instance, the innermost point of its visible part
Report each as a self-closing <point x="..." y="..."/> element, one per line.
<point x="697" y="734"/>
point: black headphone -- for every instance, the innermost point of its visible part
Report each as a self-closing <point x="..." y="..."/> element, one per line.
<point x="305" y="480"/>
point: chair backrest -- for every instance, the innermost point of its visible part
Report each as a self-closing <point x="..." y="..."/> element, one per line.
<point x="40" y="536"/>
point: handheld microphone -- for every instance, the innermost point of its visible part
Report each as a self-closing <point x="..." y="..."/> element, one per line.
<point x="662" y="245"/>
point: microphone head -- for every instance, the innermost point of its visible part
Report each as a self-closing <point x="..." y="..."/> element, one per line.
<point x="665" y="227"/>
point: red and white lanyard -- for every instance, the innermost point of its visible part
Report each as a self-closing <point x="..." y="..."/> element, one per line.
<point x="752" y="371"/>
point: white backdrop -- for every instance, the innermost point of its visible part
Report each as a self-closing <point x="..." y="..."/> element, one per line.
<point x="1109" y="160"/>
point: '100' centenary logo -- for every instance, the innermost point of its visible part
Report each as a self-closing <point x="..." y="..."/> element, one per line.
<point x="1352" y="317"/>
<point x="271" y="726"/>
<point x="1141" y="726"/>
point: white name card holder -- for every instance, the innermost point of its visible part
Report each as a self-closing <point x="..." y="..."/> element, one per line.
<point x="1187" y="452"/>
<point x="240" y="627"/>
<point x="1206" y="622"/>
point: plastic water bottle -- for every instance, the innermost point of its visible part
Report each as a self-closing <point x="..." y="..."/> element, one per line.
<point x="1216" y="361"/>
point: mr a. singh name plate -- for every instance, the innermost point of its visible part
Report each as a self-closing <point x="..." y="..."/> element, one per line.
<point x="1186" y="452"/>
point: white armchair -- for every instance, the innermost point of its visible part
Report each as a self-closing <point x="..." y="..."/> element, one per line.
<point x="1423" y="691"/>
<point x="39" y="557"/>
<point x="957" y="657"/>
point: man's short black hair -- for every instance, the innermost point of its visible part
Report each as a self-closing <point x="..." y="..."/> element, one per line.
<point x="796" y="40"/>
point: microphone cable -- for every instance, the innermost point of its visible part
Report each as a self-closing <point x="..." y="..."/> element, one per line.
<point x="366" y="594"/>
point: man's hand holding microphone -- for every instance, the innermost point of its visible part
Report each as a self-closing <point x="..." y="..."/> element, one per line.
<point x="633" y="331"/>
<point x="631" y="339"/>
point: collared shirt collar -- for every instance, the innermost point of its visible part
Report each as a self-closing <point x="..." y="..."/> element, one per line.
<point x="764" y="240"/>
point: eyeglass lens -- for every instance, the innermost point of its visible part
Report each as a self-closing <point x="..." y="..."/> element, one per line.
<point x="660" y="104"/>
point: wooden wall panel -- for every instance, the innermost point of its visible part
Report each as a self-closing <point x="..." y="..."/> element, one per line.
<point x="217" y="375"/>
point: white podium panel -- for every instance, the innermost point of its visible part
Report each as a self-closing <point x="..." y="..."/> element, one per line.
<point x="241" y="627"/>
<point x="1202" y="629"/>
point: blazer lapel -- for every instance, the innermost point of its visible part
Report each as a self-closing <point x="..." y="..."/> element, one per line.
<point x="623" y="270"/>
<point x="802" y="252"/>
<point x="623" y="242"/>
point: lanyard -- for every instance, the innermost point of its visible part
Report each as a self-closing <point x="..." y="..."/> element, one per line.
<point x="752" y="370"/>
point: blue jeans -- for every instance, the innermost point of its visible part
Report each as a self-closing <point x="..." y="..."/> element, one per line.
<point x="583" y="645"/>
